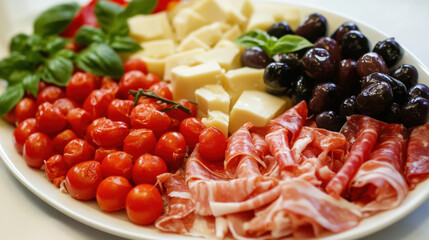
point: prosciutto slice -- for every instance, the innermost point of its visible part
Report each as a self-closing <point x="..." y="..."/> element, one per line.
<point x="417" y="165"/>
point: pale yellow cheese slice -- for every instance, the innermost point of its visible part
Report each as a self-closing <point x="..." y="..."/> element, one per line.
<point x="181" y="58"/>
<point x="157" y="48"/>
<point x="150" y="27"/>
<point x="186" y="21"/>
<point x="227" y="57"/>
<point x="211" y="98"/>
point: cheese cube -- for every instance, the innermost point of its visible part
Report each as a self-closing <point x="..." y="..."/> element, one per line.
<point x="209" y="34"/>
<point x="228" y="57"/>
<point x="192" y="43"/>
<point x="265" y="15"/>
<point x="238" y="80"/>
<point x="217" y="119"/>
<point x="178" y="59"/>
<point x="225" y="43"/>
<point x="150" y="27"/>
<point x="185" y="79"/>
<point x="256" y="107"/>
<point x="186" y="21"/>
<point x="212" y="10"/>
<point x="232" y="34"/>
<point x="211" y="98"/>
<point x="157" y="48"/>
<point x="154" y="65"/>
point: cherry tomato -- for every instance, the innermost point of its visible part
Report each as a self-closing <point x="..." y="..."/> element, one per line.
<point x="49" y="119"/>
<point x="132" y="80"/>
<point x="22" y="131"/>
<point x="117" y="164"/>
<point x="97" y="102"/>
<point x="180" y="114"/>
<point x="76" y="151"/>
<point x="26" y="108"/>
<point x="147" y="168"/>
<point x="101" y="153"/>
<point x="172" y="148"/>
<point x="60" y="141"/>
<point x="191" y="129"/>
<point x="37" y="149"/>
<point x="109" y="134"/>
<point x="174" y="125"/>
<point x="10" y="117"/>
<point x="80" y="86"/>
<point x="152" y="78"/>
<point x="145" y="116"/>
<point x="91" y="126"/>
<point x="50" y="94"/>
<point x="65" y="105"/>
<point x="82" y="180"/>
<point x="55" y="168"/>
<point x="109" y="85"/>
<point x="164" y="5"/>
<point x="161" y="89"/>
<point x="212" y="144"/>
<point x="79" y="120"/>
<point x="139" y="141"/>
<point x="135" y="64"/>
<point x="143" y="204"/>
<point x="112" y="193"/>
<point x="120" y="110"/>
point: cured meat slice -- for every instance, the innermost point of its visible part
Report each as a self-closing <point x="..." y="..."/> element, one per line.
<point x="362" y="131"/>
<point x="278" y="142"/>
<point x="292" y="120"/>
<point x="417" y="165"/>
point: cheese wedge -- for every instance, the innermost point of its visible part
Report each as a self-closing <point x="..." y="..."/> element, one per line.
<point x="217" y="119"/>
<point x="211" y="98"/>
<point x="178" y="59"/>
<point x="150" y="27"/>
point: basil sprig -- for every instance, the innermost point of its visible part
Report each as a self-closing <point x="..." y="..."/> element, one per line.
<point x="56" y="19"/>
<point x="270" y="44"/>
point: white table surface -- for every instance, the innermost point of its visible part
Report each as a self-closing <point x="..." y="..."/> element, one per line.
<point x="25" y="216"/>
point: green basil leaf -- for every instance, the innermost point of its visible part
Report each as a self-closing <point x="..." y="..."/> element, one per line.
<point x="57" y="70"/>
<point x="107" y="14"/>
<point x="290" y="43"/>
<point x="254" y="38"/>
<point x="65" y="53"/>
<point x="24" y="43"/>
<point x="124" y="45"/>
<point x="100" y="59"/>
<point x="31" y="83"/>
<point x="56" y="19"/>
<point x="87" y="35"/>
<point x="10" y="98"/>
<point x="54" y="44"/>
<point x="14" y="61"/>
<point x="136" y="7"/>
<point x="18" y="75"/>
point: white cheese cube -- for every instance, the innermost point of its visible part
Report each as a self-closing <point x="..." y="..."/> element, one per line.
<point x="209" y="34"/>
<point x="211" y="98"/>
<point x="265" y="15"/>
<point x="212" y="10"/>
<point x="256" y="107"/>
<point x="186" y="21"/>
<point x="157" y="48"/>
<point x="178" y="59"/>
<point x="185" y="79"/>
<point x="192" y="43"/>
<point x="154" y="65"/>
<point x="238" y="80"/>
<point x="232" y="34"/>
<point x="150" y="27"/>
<point x="217" y="119"/>
<point x="228" y="57"/>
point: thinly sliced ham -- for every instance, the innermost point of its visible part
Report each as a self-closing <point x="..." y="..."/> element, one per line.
<point x="417" y="165"/>
<point x="292" y="120"/>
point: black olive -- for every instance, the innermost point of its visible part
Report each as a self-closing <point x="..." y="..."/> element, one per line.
<point x="407" y="74"/>
<point x="278" y="77"/>
<point x="415" y="112"/>
<point x="342" y="29"/>
<point x="374" y="99"/>
<point x="354" y="45"/>
<point x="319" y="64"/>
<point x="393" y="114"/>
<point x="330" y="120"/>
<point x="390" y="50"/>
<point x="348" y="107"/>
<point x="313" y="27"/>
<point x="419" y="90"/>
<point x="400" y="94"/>
<point x="326" y="96"/>
<point x="255" y="57"/>
<point x="279" y="29"/>
<point x="303" y="89"/>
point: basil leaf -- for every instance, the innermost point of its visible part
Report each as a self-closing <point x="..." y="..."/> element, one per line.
<point x="254" y="38"/>
<point x="87" y="35"/>
<point x="31" y="84"/>
<point x="23" y="43"/>
<point x="18" y="75"/>
<point x="100" y="59"/>
<point x="124" y="45"/>
<point x="107" y="14"/>
<point x="65" y="53"/>
<point x="290" y="43"/>
<point x="54" y="44"/>
<point x="56" y="19"/>
<point x="57" y="70"/>
<point x="10" y="98"/>
<point x="9" y="64"/>
<point x="136" y="7"/>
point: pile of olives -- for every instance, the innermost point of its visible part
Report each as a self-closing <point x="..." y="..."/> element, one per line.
<point x="339" y="76"/>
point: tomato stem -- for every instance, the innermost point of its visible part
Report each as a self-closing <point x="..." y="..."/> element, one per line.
<point x="150" y="94"/>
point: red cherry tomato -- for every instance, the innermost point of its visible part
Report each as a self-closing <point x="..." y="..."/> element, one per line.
<point x="164" y="5"/>
<point x="101" y="153"/>
<point x="117" y="164"/>
<point x="135" y="64"/>
<point x="91" y="126"/>
<point x="79" y="120"/>
<point x="143" y="204"/>
<point x="60" y="141"/>
<point x="50" y="94"/>
<point x="145" y="116"/>
<point x="139" y="141"/>
<point x="172" y="148"/>
<point x="49" y="119"/>
<point x="180" y="114"/>
<point x="161" y="89"/>
<point x="97" y="102"/>
<point x="65" y="105"/>
<point x="191" y="129"/>
<point x="82" y="180"/>
<point x="174" y="125"/>
<point x="212" y="144"/>
<point x="26" y="108"/>
<point x="80" y="86"/>
<point x="152" y="78"/>
<point x="22" y="131"/>
<point x="109" y="134"/>
<point x="147" y="168"/>
<point x="112" y="193"/>
<point x="109" y="85"/>
<point x="10" y="117"/>
<point x="76" y="151"/>
<point x="37" y="149"/>
<point x="120" y="110"/>
<point x="132" y="80"/>
<point x="55" y="168"/>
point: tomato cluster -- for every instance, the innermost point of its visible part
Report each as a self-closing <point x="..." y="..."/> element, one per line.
<point x="91" y="139"/>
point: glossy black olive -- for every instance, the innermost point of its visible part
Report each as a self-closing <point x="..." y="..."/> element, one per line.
<point x="393" y="114"/>
<point x="400" y="94"/>
<point x="314" y="27"/>
<point x="279" y="29"/>
<point x="329" y="120"/>
<point x="255" y="57"/>
<point x="374" y="99"/>
<point x="278" y="77"/>
<point x="415" y="112"/>
<point x="419" y="90"/>
<point x="342" y="29"/>
<point x="407" y="74"/>
<point x="390" y="50"/>
<point x="348" y="107"/>
<point x="303" y="89"/>
<point x="370" y="63"/>
<point x="354" y="45"/>
<point x="326" y="96"/>
<point x="348" y="77"/>
<point x="319" y="64"/>
<point x="331" y="46"/>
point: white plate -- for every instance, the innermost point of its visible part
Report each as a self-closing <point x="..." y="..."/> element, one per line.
<point x="118" y="224"/>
